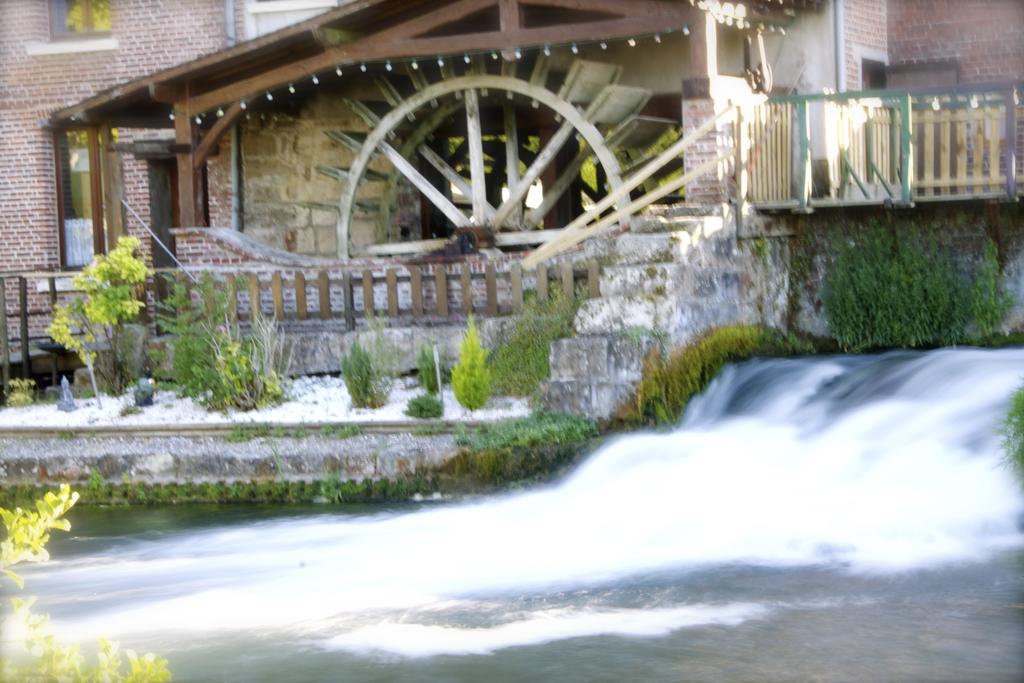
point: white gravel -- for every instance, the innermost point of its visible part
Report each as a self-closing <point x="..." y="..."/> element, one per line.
<point x="308" y="400"/>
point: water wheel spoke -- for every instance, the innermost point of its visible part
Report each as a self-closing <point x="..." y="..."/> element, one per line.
<point x="512" y="156"/>
<point x="477" y="172"/>
<point x="434" y="195"/>
<point x="452" y="176"/>
<point x="517" y="194"/>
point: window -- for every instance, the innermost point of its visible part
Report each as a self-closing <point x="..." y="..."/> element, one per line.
<point x="78" y="17"/>
<point x="79" y="197"/>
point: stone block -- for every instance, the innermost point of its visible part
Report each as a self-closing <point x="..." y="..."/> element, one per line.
<point x="626" y="357"/>
<point x="608" y="397"/>
<point x="579" y="357"/>
<point x="572" y="397"/>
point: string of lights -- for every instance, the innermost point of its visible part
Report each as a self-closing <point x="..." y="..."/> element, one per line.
<point x="416" y="63"/>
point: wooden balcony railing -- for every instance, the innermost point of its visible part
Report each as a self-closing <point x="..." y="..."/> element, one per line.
<point x="882" y="147"/>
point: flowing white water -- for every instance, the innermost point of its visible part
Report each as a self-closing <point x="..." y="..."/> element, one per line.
<point x="868" y="465"/>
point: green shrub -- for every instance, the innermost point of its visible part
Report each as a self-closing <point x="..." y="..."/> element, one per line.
<point x="427" y="370"/>
<point x="669" y="383"/>
<point x="1013" y="433"/>
<point x="110" y="298"/>
<point x="190" y="315"/>
<point x="990" y="302"/>
<point x="367" y="387"/>
<point x="471" y="378"/>
<point x="522" y="363"/>
<point x="539" y="429"/>
<point x="887" y="289"/>
<point x="425" y="407"/>
<point x="21" y="393"/>
<point x="213" y="362"/>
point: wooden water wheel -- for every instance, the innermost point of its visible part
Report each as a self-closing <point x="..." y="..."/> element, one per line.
<point x="473" y="146"/>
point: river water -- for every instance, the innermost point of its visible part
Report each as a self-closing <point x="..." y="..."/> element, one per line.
<point x="827" y="519"/>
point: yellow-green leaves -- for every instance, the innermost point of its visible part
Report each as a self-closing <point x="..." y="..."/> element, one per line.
<point x="28" y="532"/>
<point x="108" y="299"/>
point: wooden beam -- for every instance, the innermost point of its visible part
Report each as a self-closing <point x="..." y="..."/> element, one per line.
<point x="477" y="172"/>
<point x="629" y="184"/>
<point x="622" y="8"/>
<point x="373" y="48"/>
<point x="569" y="238"/>
<point x="168" y="94"/>
<point x="332" y="37"/>
<point x="216" y="131"/>
<point x="185" y="134"/>
<point x="511" y="14"/>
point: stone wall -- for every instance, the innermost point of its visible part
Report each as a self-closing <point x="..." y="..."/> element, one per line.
<point x="800" y="248"/>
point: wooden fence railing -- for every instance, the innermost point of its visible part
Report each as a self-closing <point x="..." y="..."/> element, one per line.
<point x="411" y="293"/>
<point x="883" y="146"/>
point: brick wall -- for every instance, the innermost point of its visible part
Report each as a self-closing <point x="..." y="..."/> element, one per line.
<point x="984" y="37"/>
<point x="865" y="29"/>
<point x="151" y="35"/>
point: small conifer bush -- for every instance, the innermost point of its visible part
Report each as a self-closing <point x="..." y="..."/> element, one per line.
<point x="471" y="378"/>
<point x="366" y="385"/>
<point x="427" y="370"/>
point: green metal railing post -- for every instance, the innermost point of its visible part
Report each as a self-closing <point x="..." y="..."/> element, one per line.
<point x="804" y="136"/>
<point x="906" y="150"/>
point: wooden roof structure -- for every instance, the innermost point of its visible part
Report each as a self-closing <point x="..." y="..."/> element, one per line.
<point x="375" y="30"/>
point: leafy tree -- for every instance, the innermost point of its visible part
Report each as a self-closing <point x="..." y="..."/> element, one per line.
<point x="27" y="535"/>
<point x="109" y="299"/>
<point x="471" y="378"/>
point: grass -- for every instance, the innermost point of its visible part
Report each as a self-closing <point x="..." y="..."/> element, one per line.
<point x="1013" y="433"/>
<point x="670" y="382"/>
<point x="519" y="365"/>
<point x="538" y="430"/>
<point x="246" y="433"/>
<point x="257" y="491"/>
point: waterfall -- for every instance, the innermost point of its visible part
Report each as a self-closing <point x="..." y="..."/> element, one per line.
<point x="865" y="466"/>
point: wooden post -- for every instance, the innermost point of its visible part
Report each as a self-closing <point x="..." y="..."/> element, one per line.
<point x="517" y="287"/>
<point x="301" y="311"/>
<point x="391" y="276"/>
<point x="492" y="290"/>
<point x="467" y="290"/>
<point x="568" y="284"/>
<point x="255" y="306"/>
<point x="185" y="134"/>
<point x="804" y="138"/>
<point x="542" y="283"/>
<point x="276" y="290"/>
<point x="416" y="287"/>
<point x="907" y="150"/>
<point x="26" y="358"/>
<point x="348" y="300"/>
<point x="441" y="284"/>
<point x="323" y="285"/>
<point x="5" y="348"/>
<point x="368" y="307"/>
<point x="594" y="280"/>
